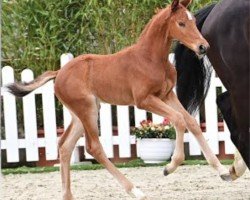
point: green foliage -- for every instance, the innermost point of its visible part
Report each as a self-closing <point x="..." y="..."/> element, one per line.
<point x="35" y="33"/>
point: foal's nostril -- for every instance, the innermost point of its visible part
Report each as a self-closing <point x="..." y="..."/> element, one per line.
<point x="202" y="49"/>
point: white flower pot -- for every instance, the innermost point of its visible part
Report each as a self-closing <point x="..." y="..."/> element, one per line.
<point x="155" y="150"/>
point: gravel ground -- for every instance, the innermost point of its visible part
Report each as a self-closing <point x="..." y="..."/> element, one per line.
<point x="188" y="182"/>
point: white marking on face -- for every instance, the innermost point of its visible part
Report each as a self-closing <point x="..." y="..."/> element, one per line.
<point x="190" y="17"/>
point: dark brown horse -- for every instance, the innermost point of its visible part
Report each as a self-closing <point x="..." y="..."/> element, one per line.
<point x="139" y="75"/>
<point x="226" y="26"/>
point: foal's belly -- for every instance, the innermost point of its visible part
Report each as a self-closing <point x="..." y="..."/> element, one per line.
<point x="116" y="99"/>
<point x="116" y="94"/>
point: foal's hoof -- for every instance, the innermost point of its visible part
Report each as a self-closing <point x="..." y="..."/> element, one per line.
<point x="138" y="194"/>
<point x="226" y="177"/>
<point x="165" y="172"/>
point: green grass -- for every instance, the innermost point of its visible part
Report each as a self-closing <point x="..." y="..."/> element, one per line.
<point x="134" y="163"/>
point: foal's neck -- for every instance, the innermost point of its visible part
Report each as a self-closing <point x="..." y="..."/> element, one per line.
<point x="154" y="39"/>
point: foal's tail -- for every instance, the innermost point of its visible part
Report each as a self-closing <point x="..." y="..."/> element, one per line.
<point x="193" y="76"/>
<point x="22" y="89"/>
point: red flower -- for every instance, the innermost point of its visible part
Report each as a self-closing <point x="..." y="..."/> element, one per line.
<point x="145" y="122"/>
<point x="166" y="121"/>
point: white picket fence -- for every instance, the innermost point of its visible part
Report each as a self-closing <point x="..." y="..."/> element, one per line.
<point x="31" y="142"/>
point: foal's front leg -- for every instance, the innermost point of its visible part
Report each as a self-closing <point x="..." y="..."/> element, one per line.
<point x="178" y="155"/>
<point x="155" y="105"/>
<point x="193" y="127"/>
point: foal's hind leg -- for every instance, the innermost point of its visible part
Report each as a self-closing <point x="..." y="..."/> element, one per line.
<point x="66" y="145"/>
<point x="195" y="129"/>
<point x="87" y="112"/>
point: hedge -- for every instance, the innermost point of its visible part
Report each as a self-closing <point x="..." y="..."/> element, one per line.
<point x="36" y="32"/>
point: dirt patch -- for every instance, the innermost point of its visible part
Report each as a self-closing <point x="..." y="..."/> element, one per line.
<point x="188" y="182"/>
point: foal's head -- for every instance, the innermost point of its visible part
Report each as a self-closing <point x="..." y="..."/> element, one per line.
<point x="183" y="28"/>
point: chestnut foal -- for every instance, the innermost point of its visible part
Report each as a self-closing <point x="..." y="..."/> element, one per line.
<point x="139" y="75"/>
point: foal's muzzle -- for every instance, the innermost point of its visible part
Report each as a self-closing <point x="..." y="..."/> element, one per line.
<point x="202" y="49"/>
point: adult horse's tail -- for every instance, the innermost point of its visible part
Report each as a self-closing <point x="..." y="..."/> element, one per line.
<point x="22" y="89"/>
<point x="193" y="74"/>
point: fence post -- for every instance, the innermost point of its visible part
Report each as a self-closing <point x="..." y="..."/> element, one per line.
<point x="157" y="119"/>
<point x="211" y="117"/>
<point x="123" y="131"/>
<point x="140" y="115"/>
<point x="106" y="129"/>
<point x="10" y="117"/>
<point x="49" y="119"/>
<point x="194" y="147"/>
<point x="30" y="124"/>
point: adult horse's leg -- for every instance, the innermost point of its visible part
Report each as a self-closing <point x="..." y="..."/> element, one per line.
<point x="87" y="112"/>
<point x="224" y="103"/>
<point x="66" y="145"/>
<point x="193" y="127"/>
<point x="239" y="166"/>
<point x="240" y="101"/>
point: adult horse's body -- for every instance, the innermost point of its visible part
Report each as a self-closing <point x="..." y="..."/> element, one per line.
<point x="226" y="26"/>
<point x="140" y="75"/>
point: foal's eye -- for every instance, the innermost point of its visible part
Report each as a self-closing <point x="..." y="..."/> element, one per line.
<point x="182" y="24"/>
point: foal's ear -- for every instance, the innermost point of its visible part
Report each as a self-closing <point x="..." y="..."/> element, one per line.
<point x="186" y="3"/>
<point x="174" y="5"/>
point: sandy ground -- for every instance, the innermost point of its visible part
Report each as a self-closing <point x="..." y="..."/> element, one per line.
<point x="188" y="182"/>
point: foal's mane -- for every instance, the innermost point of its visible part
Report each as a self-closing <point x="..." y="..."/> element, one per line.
<point x="155" y="17"/>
